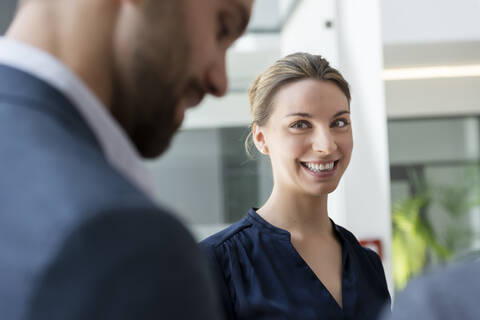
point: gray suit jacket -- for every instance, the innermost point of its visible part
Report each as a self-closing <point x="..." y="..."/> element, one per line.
<point x="77" y="240"/>
<point x="449" y="294"/>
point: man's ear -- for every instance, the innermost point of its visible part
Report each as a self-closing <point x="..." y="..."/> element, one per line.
<point x="258" y="136"/>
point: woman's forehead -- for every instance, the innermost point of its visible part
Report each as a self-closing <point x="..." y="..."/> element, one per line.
<point x="309" y="96"/>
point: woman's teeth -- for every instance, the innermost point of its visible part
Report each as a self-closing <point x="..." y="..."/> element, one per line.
<point x="319" y="167"/>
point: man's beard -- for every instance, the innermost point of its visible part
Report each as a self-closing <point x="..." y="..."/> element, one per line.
<point x="148" y="112"/>
<point x="147" y="94"/>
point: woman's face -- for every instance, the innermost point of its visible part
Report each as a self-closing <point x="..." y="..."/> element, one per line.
<point x="308" y="137"/>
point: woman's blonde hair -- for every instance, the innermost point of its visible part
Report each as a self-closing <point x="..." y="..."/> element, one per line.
<point x="294" y="67"/>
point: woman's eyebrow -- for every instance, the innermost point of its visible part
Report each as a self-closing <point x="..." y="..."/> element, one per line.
<point x="299" y="114"/>
<point x="308" y="115"/>
<point x="340" y="113"/>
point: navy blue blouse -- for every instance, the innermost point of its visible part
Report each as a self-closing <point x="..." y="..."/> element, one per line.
<point x="262" y="276"/>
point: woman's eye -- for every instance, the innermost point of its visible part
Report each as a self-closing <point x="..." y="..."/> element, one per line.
<point x="340" y="123"/>
<point x="300" y="125"/>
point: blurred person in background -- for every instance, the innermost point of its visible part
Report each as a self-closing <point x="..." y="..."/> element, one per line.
<point x="87" y="88"/>
<point x="287" y="259"/>
<point x="451" y="293"/>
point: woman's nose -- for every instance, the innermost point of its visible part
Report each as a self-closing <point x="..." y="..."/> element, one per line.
<point x="324" y="142"/>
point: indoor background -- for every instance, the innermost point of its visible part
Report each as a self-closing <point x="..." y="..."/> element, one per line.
<point x="412" y="191"/>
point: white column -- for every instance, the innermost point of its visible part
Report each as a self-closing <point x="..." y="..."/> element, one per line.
<point x="367" y="184"/>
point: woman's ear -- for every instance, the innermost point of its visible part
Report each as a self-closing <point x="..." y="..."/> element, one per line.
<point x="258" y="136"/>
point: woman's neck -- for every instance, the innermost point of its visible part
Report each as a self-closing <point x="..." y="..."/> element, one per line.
<point x="302" y="215"/>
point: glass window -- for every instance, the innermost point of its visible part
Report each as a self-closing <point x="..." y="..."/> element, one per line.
<point x="435" y="192"/>
<point x="207" y="178"/>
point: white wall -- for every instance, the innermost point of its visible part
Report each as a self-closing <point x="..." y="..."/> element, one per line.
<point x="232" y="110"/>
<point x="417" y="21"/>
<point x="431" y="33"/>
<point x="433" y="97"/>
<point x="306" y="30"/>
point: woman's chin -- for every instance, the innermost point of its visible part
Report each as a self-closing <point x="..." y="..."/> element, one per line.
<point x="320" y="191"/>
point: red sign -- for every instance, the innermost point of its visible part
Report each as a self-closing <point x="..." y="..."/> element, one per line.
<point x="374" y="244"/>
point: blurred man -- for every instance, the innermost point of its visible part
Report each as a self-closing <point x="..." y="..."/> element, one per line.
<point x="447" y="294"/>
<point x="85" y="87"/>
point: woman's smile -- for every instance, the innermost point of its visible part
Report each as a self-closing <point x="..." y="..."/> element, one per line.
<point x="320" y="169"/>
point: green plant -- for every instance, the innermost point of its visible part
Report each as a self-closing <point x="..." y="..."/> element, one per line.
<point x="414" y="240"/>
<point x="411" y="240"/>
<point x="458" y="199"/>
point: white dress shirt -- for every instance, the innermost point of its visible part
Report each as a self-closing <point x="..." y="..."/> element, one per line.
<point x="117" y="147"/>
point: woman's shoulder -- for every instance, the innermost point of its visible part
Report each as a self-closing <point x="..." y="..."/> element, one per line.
<point x="348" y="236"/>
<point x="226" y="235"/>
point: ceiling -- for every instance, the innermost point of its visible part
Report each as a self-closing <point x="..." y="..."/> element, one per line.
<point x="269" y="16"/>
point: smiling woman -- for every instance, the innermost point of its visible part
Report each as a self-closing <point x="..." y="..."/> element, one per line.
<point x="308" y="136"/>
<point x="287" y="259"/>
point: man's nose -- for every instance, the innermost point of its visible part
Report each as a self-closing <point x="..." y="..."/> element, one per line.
<point x="217" y="81"/>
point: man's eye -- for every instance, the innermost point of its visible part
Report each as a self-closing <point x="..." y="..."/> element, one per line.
<point x="224" y="28"/>
<point x="300" y="125"/>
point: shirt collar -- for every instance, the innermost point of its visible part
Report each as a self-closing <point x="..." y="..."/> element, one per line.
<point x="116" y="146"/>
